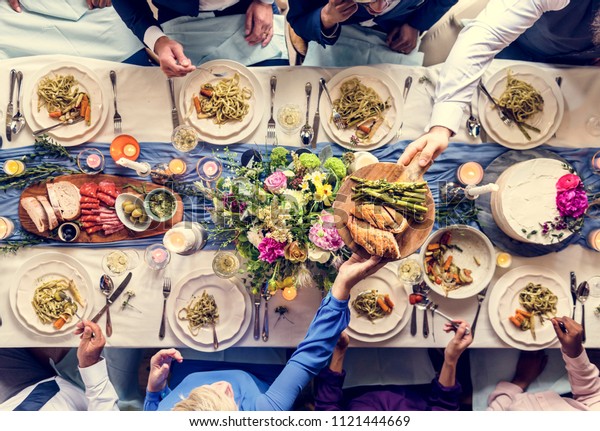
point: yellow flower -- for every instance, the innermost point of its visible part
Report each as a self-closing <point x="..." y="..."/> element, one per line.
<point x="323" y="193"/>
<point x="295" y="253"/>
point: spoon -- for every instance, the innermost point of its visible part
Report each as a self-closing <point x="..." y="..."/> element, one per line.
<point x="473" y="124"/>
<point x="106" y="287"/>
<point x="18" y="121"/>
<point x="583" y="291"/>
<point x="215" y="339"/>
<point x="424" y="289"/>
<point x="307" y="132"/>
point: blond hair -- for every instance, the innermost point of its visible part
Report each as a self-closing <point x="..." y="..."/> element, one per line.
<point x="207" y="399"/>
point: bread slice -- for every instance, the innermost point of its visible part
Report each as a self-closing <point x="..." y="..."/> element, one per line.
<point x="52" y="219"/>
<point x="65" y="198"/>
<point x="375" y="241"/>
<point x="36" y="213"/>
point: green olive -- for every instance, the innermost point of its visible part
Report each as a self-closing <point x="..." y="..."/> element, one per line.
<point x="128" y="209"/>
<point x="137" y="213"/>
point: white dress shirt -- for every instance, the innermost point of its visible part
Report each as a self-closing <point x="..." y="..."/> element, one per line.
<point x="496" y="27"/>
<point x="100" y="395"/>
<point x="154" y="33"/>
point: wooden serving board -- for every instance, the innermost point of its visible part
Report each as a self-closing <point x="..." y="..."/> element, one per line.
<point x="78" y="180"/>
<point x="410" y="240"/>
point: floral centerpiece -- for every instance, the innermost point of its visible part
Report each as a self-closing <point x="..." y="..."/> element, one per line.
<point x="277" y="212"/>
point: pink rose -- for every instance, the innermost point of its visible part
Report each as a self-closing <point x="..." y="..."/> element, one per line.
<point x="568" y="182"/>
<point x="572" y="203"/>
<point x="276" y="183"/>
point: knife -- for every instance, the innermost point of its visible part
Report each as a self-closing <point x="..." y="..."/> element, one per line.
<point x="113" y="297"/>
<point x="9" y="109"/>
<point x="174" y="114"/>
<point x="574" y="292"/>
<point x="316" y="120"/>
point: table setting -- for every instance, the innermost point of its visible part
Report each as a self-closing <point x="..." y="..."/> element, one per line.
<point x="238" y="221"/>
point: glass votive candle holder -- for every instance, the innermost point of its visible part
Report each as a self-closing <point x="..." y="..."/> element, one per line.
<point x="503" y="259"/>
<point x="7" y="227"/>
<point x="289" y="293"/>
<point x="157" y="256"/>
<point x="209" y="168"/>
<point x="179" y="240"/>
<point x="226" y="264"/>
<point x="177" y="167"/>
<point x="90" y="161"/>
<point x="124" y="146"/>
<point x="13" y="167"/>
<point x="289" y="118"/>
<point x="185" y="138"/>
<point x="596" y="163"/>
<point x="593" y="239"/>
<point x="470" y="173"/>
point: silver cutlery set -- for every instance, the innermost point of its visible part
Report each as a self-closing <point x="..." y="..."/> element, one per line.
<point x="265" y="295"/>
<point x="579" y="292"/>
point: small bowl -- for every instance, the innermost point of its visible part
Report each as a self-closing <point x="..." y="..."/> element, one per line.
<point x="90" y="161"/>
<point x="185" y="138"/>
<point x="68" y="232"/>
<point x="289" y="118"/>
<point x="149" y="205"/>
<point x="474" y="244"/>
<point x="116" y="262"/>
<point x="125" y="218"/>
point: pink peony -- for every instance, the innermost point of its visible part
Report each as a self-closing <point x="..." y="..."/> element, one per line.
<point x="568" y="182"/>
<point x="270" y="250"/>
<point x="276" y="182"/>
<point x="324" y="234"/>
<point x="572" y="203"/>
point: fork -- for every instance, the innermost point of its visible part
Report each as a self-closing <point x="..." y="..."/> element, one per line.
<point x="117" y="118"/>
<point x="216" y="74"/>
<point x="480" y="298"/>
<point x="407" y="85"/>
<point x="501" y="113"/>
<point x="271" y="137"/>
<point x="335" y="115"/>
<point x="166" y="292"/>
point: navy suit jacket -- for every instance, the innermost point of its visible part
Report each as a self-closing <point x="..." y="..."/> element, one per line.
<point x="137" y="15"/>
<point x="305" y="17"/>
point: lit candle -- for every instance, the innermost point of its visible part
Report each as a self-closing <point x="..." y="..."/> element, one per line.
<point x="14" y="167"/>
<point x="6" y="227"/>
<point x="593" y="239"/>
<point x="179" y="240"/>
<point x="142" y="168"/>
<point x="159" y="255"/>
<point x="93" y="161"/>
<point x="474" y="191"/>
<point x="177" y="166"/>
<point x="289" y="293"/>
<point x="503" y="260"/>
<point x="210" y="168"/>
<point x="470" y="173"/>
<point x="129" y="150"/>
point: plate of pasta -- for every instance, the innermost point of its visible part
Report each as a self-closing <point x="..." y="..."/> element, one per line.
<point x="202" y="299"/>
<point x="538" y="293"/>
<point x="533" y="98"/>
<point x="370" y="104"/>
<point x="377" y="305"/>
<point x="52" y="289"/>
<point x="224" y="109"/>
<point x="64" y="93"/>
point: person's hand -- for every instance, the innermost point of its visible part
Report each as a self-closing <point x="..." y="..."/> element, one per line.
<point x="529" y="367"/>
<point x="173" y="61"/>
<point x="459" y="343"/>
<point x="91" y="344"/>
<point x="160" y="364"/>
<point x="15" y="5"/>
<point x="351" y="272"/>
<point x="402" y="38"/>
<point x="259" y="23"/>
<point x="430" y="145"/>
<point x="98" y="4"/>
<point x="336" y="11"/>
<point x="571" y="341"/>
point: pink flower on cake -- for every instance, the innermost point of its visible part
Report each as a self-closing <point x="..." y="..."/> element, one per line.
<point x="276" y="183"/>
<point x="270" y="250"/>
<point x="568" y="182"/>
<point x="572" y="203"/>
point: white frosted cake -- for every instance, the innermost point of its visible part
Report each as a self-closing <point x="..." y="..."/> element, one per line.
<point x="526" y="199"/>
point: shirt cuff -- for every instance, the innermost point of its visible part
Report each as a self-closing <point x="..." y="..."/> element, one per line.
<point x="94" y="374"/>
<point x="336" y="304"/>
<point x="447" y="114"/>
<point x="267" y="1"/>
<point x="333" y="378"/>
<point x="580" y="362"/>
<point x="332" y="33"/>
<point x="152" y="35"/>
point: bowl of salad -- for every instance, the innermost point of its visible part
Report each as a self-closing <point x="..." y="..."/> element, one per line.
<point x="160" y="204"/>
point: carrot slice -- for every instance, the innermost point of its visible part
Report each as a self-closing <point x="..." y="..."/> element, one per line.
<point x="388" y="301"/>
<point x="383" y="305"/>
<point x="55" y="114"/>
<point x="197" y="105"/>
<point x="515" y="321"/>
<point x="433" y="246"/>
<point x="88" y="115"/>
<point x="84" y="105"/>
<point x="447" y="263"/>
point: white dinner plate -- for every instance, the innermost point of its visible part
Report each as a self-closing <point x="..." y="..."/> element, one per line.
<point x="232" y="301"/>
<point x="385" y="86"/>
<point x="45" y="267"/>
<point x="502" y="305"/>
<point x="385" y="282"/>
<point x="232" y="131"/>
<point x="548" y="121"/>
<point x="77" y="133"/>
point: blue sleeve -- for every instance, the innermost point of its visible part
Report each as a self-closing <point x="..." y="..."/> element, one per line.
<point x="429" y="13"/>
<point x="137" y="16"/>
<point x="305" y="18"/>
<point x="310" y="357"/>
<point x="153" y="399"/>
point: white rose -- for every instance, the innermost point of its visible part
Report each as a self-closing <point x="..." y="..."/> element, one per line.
<point x="317" y="254"/>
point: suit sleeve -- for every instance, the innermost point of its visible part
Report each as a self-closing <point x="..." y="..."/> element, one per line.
<point x="137" y="16"/>
<point x="429" y="13"/>
<point x="305" y="18"/>
<point x="310" y="357"/>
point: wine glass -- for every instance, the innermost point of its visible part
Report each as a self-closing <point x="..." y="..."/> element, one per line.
<point x="592" y="125"/>
<point x="226" y="264"/>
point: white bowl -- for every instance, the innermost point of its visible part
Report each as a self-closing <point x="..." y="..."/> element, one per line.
<point x="474" y="244"/>
<point x="136" y="227"/>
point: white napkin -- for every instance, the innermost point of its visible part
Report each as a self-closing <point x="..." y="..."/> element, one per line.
<point x="70" y="10"/>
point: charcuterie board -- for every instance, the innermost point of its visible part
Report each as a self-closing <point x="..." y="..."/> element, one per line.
<point x="105" y="211"/>
<point x="344" y="207"/>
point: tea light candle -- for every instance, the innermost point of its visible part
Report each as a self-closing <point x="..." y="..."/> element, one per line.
<point x="470" y="173"/>
<point x="289" y="293"/>
<point x="14" y="167"/>
<point x="93" y="161"/>
<point x="159" y="255"/>
<point x="503" y="260"/>
<point x="210" y="168"/>
<point x="179" y="240"/>
<point x="593" y="239"/>
<point x="7" y="227"/>
<point x="140" y="168"/>
<point x="129" y="150"/>
<point x="177" y="166"/>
